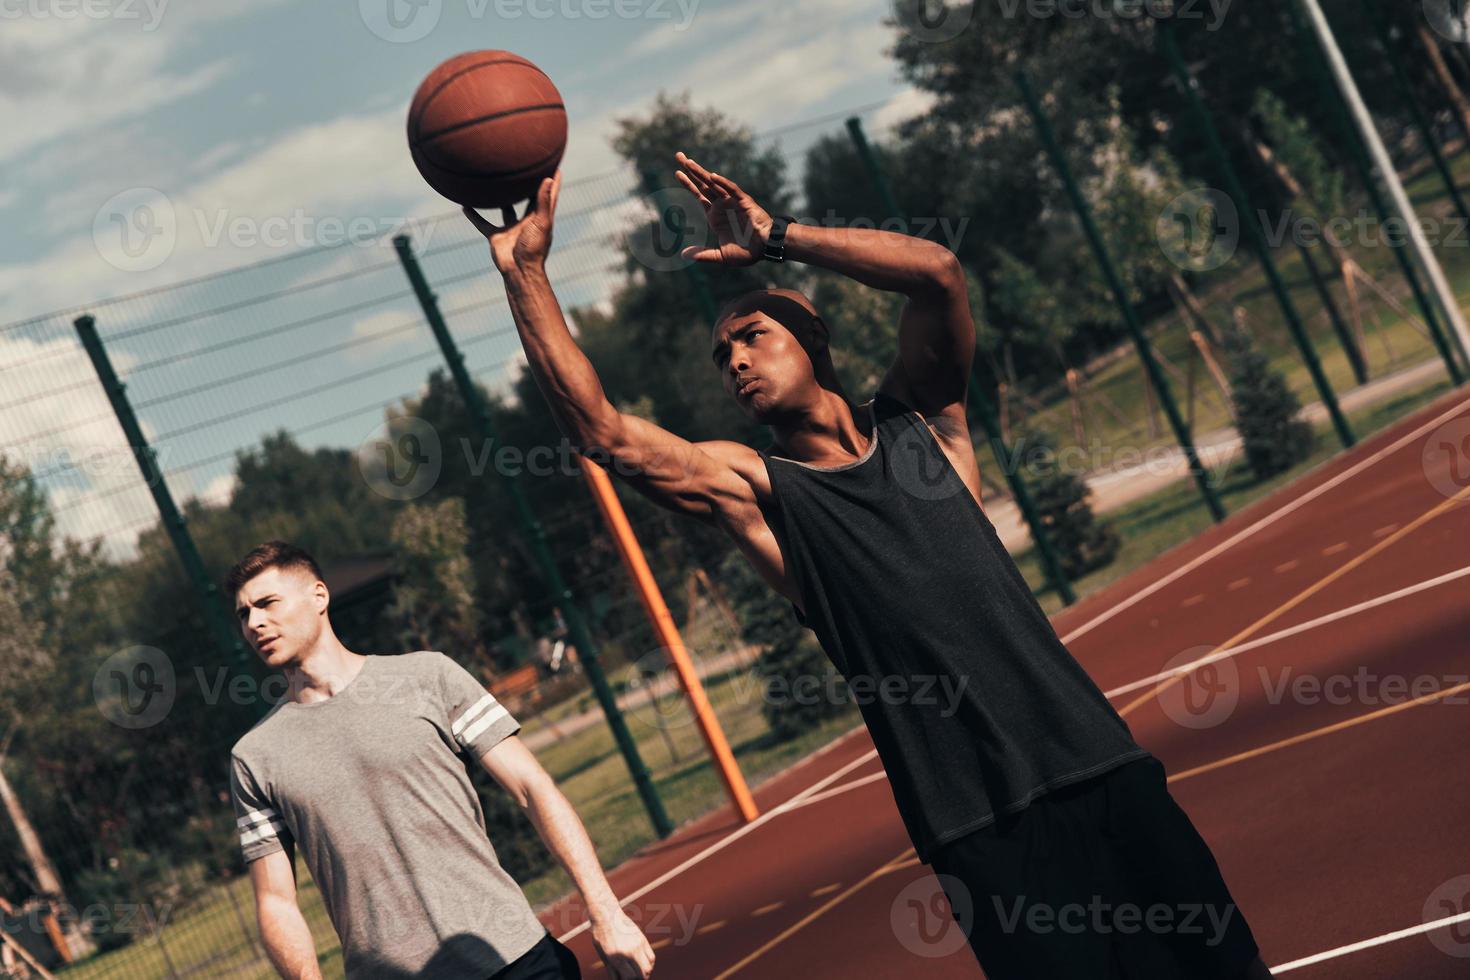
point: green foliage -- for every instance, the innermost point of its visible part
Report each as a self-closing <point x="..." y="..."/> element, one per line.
<point x="1266" y="410"/>
<point x="434" y="600"/>
<point x="1082" y="543"/>
<point x="1295" y="146"/>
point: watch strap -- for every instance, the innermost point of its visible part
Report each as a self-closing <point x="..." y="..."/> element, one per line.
<point x="775" y="249"/>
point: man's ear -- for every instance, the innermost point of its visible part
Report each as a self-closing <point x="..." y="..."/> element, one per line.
<point x="319" y="592"/>
<point x="821" y="336"/>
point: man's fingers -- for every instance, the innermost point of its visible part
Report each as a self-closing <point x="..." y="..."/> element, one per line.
<point x="700" y="253"/>
<point x="700" y="174"/>
<point x="481" y="225"/>
<point x="552" y="193"/>
<point x="683" y="178"/>
<point x="725" y="185"/>
<point x="508" y="215"/>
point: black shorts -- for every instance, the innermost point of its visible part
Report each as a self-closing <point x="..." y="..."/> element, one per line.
<point x="1106" y="878"/>
<point x="547" y="960"/>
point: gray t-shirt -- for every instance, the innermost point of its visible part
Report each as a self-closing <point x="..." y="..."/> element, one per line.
<point x="372" y="785"/>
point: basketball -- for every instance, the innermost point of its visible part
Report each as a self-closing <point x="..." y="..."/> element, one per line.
<point x="485" y="127"/>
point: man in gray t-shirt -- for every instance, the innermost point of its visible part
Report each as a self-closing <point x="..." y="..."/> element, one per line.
<point x="362" y="765"/>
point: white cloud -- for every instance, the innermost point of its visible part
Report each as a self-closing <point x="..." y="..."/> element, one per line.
<point x="386" y="324"/>
<point x="902" y="107"/>
<point x="345" y="179"/>
<point x="220" y="489"/>
<point x="104" y="76"/>
<point x="824" y="46"/>
<point x="58" y="422"/>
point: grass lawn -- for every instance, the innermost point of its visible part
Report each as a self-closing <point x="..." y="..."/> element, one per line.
<point x="1154" y="524"/>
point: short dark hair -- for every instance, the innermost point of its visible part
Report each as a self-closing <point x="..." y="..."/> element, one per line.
<point x="272" y="554"/>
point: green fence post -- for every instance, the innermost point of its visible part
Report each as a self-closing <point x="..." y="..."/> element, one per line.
<point x="1416" y="111"/>
<point x="1051" y="566"/>
<point x="1368" y="174"/>
<point x="1233" y="186"/>
<point x="216" y="607"/>
<point x="1202" y="476"/>
<point x="580" y="635"/>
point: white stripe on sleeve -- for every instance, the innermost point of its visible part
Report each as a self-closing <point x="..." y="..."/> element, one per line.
<point x="271" y="829"/>
<point x="256" y="817"/>
<point x="463" y="721"/>
<point x="486" y="720"/>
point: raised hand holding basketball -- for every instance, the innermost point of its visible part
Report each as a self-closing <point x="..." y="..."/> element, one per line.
<point x="521" y="243"/>
<point x="740" y="224"/>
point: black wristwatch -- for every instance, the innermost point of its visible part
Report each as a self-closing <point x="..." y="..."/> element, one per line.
<point x="776" y="240"/>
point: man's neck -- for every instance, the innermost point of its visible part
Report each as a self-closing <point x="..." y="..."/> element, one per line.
<point x="325" y="670"/>
<point x="831" y="433"/>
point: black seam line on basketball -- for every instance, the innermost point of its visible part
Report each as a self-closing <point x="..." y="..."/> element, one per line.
<point x="428" y="99"/>
<point x="492" y="116"/>
<point x="495" y="174"/>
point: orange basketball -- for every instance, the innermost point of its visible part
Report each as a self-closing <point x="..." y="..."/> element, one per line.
<point x="485" y="127"/>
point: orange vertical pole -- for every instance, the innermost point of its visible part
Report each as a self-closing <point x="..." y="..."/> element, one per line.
<point x="668" y="635"/>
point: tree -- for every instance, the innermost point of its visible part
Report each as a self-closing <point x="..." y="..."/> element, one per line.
<point x="434" y="601"/>
<point x="1082" y="543"/>
<point x="1275" y="439"/>
<point x="32" y="584"/>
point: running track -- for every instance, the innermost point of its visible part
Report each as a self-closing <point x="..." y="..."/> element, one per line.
<point x="1334" y="801"/>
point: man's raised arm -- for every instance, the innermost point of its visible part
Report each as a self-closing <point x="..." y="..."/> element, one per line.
<point x="684" y="477"/>
<point x="936" y="335"/>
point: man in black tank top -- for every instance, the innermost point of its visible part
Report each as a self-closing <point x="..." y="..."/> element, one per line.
<point x="1014" y="776"/>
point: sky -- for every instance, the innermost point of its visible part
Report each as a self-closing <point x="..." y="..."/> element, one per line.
<point x="147" y="143"/>
<point x="240" y="111"/>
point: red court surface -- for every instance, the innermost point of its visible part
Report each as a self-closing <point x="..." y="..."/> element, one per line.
<point x="1334" y="801"/>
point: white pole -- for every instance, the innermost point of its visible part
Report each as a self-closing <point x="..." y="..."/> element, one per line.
<point x="1385" y="167"/>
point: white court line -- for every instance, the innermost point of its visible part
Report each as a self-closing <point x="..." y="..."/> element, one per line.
<point x="1116" y="692"/>
<point x="865" y="780"/>
<point x="814" y="793"/>
<point x="1387" y="937"/>
<point x="1331" y="617"/>
<point x="1264" y="522"/>
<point x="734" y="836"/>
<point x="797" y="800"/>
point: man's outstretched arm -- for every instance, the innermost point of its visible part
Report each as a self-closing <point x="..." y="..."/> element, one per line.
<point x="936" y="332"/>
<point x="622" y="945"/>
<point x="688" y="478"/>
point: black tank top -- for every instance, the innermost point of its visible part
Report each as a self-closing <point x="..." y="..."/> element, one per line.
<point x="973" y="702"/>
